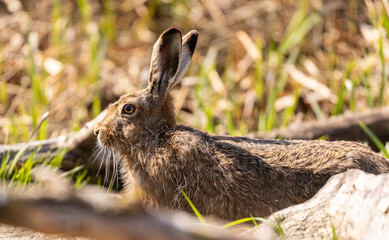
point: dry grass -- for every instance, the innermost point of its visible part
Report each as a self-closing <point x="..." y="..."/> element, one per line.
<point x="259" y="64"/>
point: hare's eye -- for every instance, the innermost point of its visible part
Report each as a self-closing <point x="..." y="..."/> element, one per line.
<point x="128" y="109"/>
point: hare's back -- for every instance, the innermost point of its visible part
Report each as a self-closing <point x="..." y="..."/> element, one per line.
<point x="314" y="155"/>
<point x="236" y="172"/>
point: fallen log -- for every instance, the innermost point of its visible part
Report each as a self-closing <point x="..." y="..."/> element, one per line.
<point x="342" y="127"/>
<point x="352" y="205"/>
<point x="56" y="208"/>
<point x="79" y="145"/>
<point x="74" y="218"/>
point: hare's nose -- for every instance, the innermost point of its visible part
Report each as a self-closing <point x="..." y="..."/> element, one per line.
<point x="96" y="131"/>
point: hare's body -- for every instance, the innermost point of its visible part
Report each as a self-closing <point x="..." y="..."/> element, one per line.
<point x="227" y="177"/>
<point x="233" y="177"/>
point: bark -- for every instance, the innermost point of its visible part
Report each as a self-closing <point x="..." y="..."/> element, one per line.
<point x="355" y="203"/>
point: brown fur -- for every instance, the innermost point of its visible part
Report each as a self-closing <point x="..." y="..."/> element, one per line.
<point x="168" y="110"/>
<point x="224" y="176"/>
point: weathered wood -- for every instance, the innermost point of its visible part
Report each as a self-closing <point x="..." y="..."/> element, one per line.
<point x="355" y="202"/>
<point x="91" y="213"/>
<point x="20" y="233"/>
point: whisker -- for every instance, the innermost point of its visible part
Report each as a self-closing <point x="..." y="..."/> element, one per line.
<point x="106" y="168"/>
<point x="114" y="171"/>
<point x="96" y="153"/>
<point x="117" y="171"/>
<point x="107" y="157"/>
<point x="101" y="153"/>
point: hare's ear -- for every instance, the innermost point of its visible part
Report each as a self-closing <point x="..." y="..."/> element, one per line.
<point x="165" y="61"/>
<point x="189" y="42"/>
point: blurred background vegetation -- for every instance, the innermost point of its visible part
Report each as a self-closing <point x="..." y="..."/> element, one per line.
<point x="259" y="65"/>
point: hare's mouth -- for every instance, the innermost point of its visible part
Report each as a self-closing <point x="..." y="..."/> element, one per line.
<point x="104" y="140"/>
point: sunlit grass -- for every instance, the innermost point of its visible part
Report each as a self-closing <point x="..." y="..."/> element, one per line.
<point x="198" y="214"/>
<point x="271" y="62"/>
<point x="97" y="36"/>
<point x="333" y="231"/>
<point x="216" y="112"/>
<point x="18" y="171"/>
<point x="275" y="226"/>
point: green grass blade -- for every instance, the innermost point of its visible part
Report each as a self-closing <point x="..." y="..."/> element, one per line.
<point x="334" y="235"/>
<point x="280" y="232"/>
<point x="289" y="112"/>
<point x="298" y="18"/>
<point x="73" y="171"/>
<point x="375" y="139"/>
<point x="315" y="107"/>
<point x="21" y="152"/>
<point x="270" y="113"/>
<point x="367" y="88"/>
<point x="341" y="95"/>
<point x="276" y="227"/>
<point x="254" y="221"/>
<point x="57" y="160"/>
<point x="82" y="179"/>
<point x="298" y="33"/>
<point x="237" y="222"/>
<point x="56" y="23"/>
<point x="3" y="94"/>
<point x="85" y="12"/>
<point x="198" y="214"/>
<point x="384" y="75"/>
<point x="4" y="164"/>
<point x="352" y="94"/>
<point x="340" y="104"/>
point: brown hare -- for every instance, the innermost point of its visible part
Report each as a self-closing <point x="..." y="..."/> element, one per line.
<point x="226" y="177"/>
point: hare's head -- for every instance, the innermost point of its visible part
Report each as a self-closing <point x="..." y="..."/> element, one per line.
<point x="141" y="113"/>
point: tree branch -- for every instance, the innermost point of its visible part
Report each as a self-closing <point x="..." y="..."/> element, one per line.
<point x="78" y="214"/>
